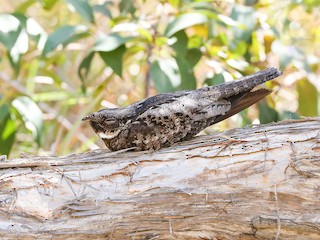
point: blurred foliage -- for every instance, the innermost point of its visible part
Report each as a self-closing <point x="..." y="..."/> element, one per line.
<point x="63" y="59"/>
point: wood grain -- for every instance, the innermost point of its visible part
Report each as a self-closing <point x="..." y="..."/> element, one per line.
<point x="260" y="182"/>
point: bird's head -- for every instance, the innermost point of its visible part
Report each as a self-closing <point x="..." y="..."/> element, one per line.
<point x="107" y="123"/>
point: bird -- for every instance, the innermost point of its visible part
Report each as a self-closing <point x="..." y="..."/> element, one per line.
<point x="164" y="119"/>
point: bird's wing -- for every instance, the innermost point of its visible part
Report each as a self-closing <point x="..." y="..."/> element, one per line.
<point x="179" y="118"/>
<point x="188" y="105"/>
<point x="241" y="102"/>
<point x="157" y="101"/>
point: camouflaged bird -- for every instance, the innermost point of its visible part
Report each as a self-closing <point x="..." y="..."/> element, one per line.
<point x="164" y="119"/>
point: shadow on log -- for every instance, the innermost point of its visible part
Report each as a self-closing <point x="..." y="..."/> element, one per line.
<point x="261" y="182"/>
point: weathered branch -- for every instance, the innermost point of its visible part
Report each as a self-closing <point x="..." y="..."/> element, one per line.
<point x="261" y="182"/>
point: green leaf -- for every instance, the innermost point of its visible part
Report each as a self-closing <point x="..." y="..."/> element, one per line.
<point x="165" y="75"/>
<point x="111" y="48"/>
<point x="245" y="15"/>
<point x="203" y="5"/>
<point x="188" y="80"/>
<point x="228" y="21"/>
<point x="7" y="130"/>
<point x="22" y="8"/>
<point x="103" y="9"/>
<point x="291" y="55"/>
<point x="64" y="35"/>
<point x="215" y="80"/>
<point x="36" y="33"/>
<point x="84" y="69"/>
<point x="145" y="35"/>
<point x="33" y="29"/>
<point x="14" y="37"/>
<point x="186" y="59"/>
<point x="245" y="118"/>
<point x="107" y="43"/>
<point x="310" y="4"/>
<point x="308" y="98"/>
<point x="267" y="114"/>
<point x="127" y="7"/>
<point x="9" y="31"/>
<point x="22" y="19"/>
<point x="174" y="3"/>
<point x="48" y="4"/>
<point x="195" y="42"/>
<point x="114" y="59"/>
<point x="285" y="115"/>
<point x="238" y="47"/>
<point x="184" y="21"/>
<point x="83" y="8"/>
<point x="256" y="49"/>
<point x="193" y="56"/>
<point x="31" y="115"/>
<point x="181" y="45"/>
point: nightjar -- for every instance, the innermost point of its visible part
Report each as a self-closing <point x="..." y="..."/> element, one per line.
<point x="164" y="119"/>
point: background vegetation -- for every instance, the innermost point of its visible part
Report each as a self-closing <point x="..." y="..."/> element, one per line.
<point x="63" y="59"/>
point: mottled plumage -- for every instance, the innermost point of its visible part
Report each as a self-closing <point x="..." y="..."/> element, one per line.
<point x="164" y="119"/>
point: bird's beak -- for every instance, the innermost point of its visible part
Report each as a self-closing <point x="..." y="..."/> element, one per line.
<point x="90" y="116"/>
<point x="85" y="118"/>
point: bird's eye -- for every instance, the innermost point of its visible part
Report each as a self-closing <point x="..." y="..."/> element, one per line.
<point x="110" y="121"/>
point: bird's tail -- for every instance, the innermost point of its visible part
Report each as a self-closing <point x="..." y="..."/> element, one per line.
<point x="245" y="84"/>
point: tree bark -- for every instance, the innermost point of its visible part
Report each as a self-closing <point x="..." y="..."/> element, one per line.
<point x="260" y="182"/>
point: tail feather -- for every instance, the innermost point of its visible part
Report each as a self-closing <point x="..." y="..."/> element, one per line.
<point x="242" y="103"/>
<point x="244" y="84"/>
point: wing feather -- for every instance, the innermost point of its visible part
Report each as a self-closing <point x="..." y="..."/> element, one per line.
<point x="157" y="100"/>
<point x="243" y="102"/>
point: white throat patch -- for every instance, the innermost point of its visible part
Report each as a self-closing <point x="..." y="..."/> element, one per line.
<point x="109" y="134"/>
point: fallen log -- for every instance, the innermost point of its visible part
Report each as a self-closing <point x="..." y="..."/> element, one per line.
<point x="259" y="182"/>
